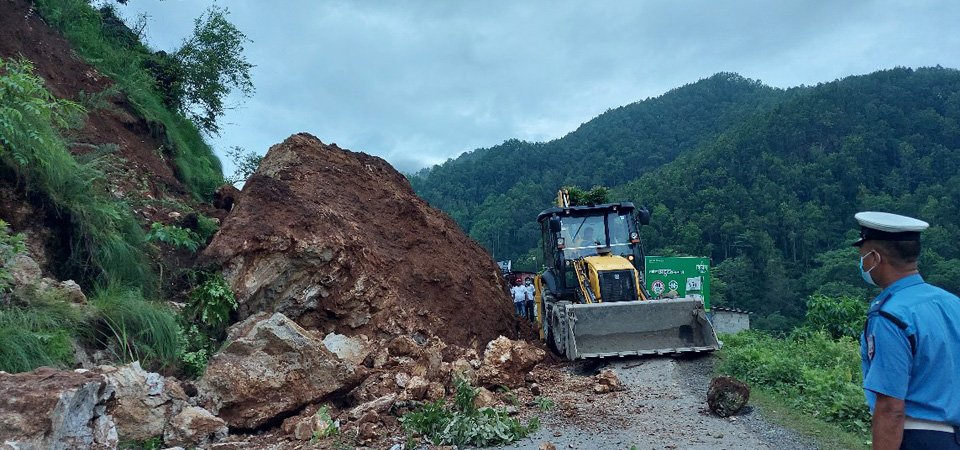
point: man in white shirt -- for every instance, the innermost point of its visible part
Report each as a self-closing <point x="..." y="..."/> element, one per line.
<point x="528" y="285"/>
<point x="519" y="294"/>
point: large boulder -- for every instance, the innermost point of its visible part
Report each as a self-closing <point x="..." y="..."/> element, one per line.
<point x="339" y="242"/>
<point x="144" y="401"/>
<point x="271" y="367"/>
<point x="53" y="409"/>
<point x="506" y="362"/>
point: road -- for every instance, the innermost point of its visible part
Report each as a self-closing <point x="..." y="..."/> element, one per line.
<point x="663" y="406"/>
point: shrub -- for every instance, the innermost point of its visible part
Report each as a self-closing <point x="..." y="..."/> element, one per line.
<point x="809" y="370"/>
<point x="136" y="329"/>
<point x="174" y="236"/>
<point x="463" y="424"/>
<point x="839" y="316"/>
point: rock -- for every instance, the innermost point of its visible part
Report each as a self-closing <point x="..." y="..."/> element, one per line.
<point x="194" y="427"/>
<point x="404" y="346"/>
<point x="535" y="389"/>
<point x="71" y="290"/>
<point x="402" y="379"/>
<point x="548" y="446"/>
<point x="225" y="197"/>
<point x="350" y="349"/>
<point x="271" y="367"/>
<point x="416" y="388"/>
<point x="24" y="271"/>
<point x="606" y="381"/>
<point x="142" y="404"/>
<point x="507" y="362"/>
<point x="461" y="368"/>
<point x="435" y="391"/>
<point x="379" y="405"/>
<point x="368" y="431"/>
<point x="727" y="396"/>
<point x="339" y="242"/>
<point x="379" y="359"/>
<point x="484" y="398"/>
<point x="53" y="409"/>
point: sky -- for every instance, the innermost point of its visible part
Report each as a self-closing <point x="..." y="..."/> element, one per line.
<point x="419" y="81"/>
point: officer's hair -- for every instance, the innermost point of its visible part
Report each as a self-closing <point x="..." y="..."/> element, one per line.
<point x="901" y="253"/>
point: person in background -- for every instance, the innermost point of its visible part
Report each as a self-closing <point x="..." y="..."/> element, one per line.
<point x="519" y="294"/>
<point x="528" y="285"/>
<point x="910" y="347"/>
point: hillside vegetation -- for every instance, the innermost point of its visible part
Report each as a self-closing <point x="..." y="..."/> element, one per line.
<point x="763" y="181"/>
<point x="495" y="193"/>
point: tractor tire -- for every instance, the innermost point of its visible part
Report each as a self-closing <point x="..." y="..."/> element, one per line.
<point x="550" y="309"/>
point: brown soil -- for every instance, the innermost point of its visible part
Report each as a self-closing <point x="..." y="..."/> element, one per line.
<point x="350" y="226"/>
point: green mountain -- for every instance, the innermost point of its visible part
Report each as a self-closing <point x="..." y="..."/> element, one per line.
<point x="763" y="181"/>
<point x="495" y="193"/>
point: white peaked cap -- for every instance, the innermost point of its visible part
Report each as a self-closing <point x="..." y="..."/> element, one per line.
<point x="891" y="223"/>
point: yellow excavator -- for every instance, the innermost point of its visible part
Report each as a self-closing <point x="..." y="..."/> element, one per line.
<point x="591" y="301"/>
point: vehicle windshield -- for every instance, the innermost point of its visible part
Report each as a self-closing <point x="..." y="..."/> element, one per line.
<point x="583" y="235"/>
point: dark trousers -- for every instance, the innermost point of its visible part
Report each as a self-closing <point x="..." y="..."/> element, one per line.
<point x="518" y="308"/>
<point x="930" y="440"/>
<point x="530" y="311"/>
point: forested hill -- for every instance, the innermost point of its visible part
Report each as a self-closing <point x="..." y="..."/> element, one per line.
<point x="495" y="193"/>
<point x="767" y="189"/>
<point x="772" y="199"/>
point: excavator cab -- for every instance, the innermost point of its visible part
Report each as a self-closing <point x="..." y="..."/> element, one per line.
<point x="591" y="300"/>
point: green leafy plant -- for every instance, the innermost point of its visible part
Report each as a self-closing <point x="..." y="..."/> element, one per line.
<point x="545" y="403"/>
<point x="205" y="320"/>
<point x="174" y="235"/>
<point x="328" y="427"/>
<point x="464" y="424"/>
<point x="206" y="227"/>
<point x="10" y="245"/>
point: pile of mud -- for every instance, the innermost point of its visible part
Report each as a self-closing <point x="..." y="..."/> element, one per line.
<point x="339" y="242"/>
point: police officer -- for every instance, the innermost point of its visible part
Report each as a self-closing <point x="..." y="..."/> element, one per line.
<point x="910" y="346"/>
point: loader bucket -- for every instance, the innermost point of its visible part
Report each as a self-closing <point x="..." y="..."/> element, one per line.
<point x="648" y="327"/>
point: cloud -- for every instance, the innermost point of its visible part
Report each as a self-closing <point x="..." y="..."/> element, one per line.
<point x="418" y="82"/>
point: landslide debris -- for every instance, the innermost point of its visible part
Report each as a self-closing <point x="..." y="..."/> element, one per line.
<point x="339" y="242"/>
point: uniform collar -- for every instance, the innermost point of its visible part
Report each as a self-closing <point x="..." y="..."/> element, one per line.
<point x="905" y="282"/>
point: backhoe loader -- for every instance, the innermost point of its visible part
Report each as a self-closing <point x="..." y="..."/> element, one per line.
<point x="590" y="299"/>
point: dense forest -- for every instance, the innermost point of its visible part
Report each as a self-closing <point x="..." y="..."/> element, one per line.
<point x="763" y="181"/>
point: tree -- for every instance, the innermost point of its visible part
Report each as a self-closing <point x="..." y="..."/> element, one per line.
<point x="245" y="164"/>
<point x="213" y="67"/>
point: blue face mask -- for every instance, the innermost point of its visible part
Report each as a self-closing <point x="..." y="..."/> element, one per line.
<point x="866" y="273"/>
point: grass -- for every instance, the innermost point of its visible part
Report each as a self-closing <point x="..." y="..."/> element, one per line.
<point x="136" y="329"/>
<point x="107" y="240"/>
<point x="774" y="408"/>
<point x="38" y="335"/>
<point x="808" y="381"/>
<point x="121" y="60"/>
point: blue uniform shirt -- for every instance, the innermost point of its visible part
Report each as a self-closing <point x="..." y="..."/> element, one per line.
<point x="912" y="350"/>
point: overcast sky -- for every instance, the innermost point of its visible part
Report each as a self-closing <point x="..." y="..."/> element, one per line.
<point x="417" y="82"/>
